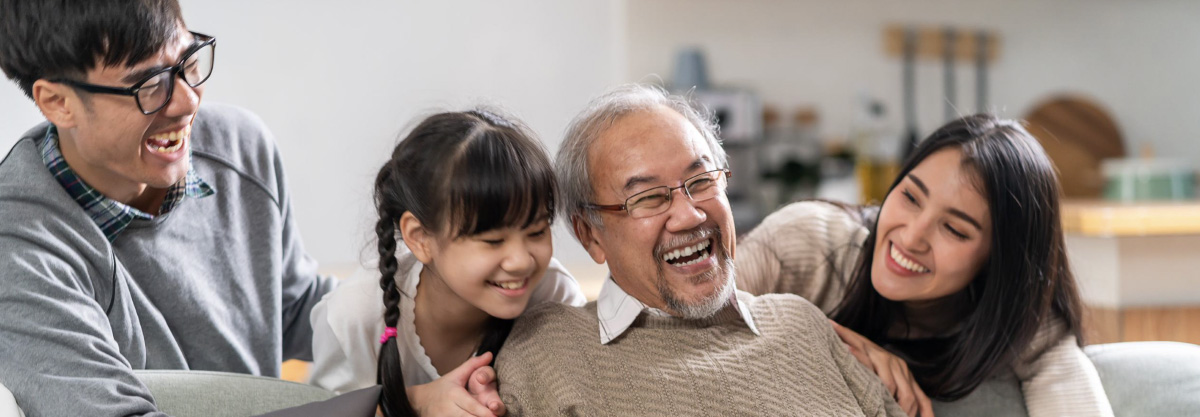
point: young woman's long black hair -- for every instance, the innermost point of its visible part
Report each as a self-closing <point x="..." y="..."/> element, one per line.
<point x="1024" y="281"/>
<point x="472" y="171"/>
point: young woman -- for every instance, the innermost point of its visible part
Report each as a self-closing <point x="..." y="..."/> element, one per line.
<point x="960" y="276"/>
<point x="471" y="196"/>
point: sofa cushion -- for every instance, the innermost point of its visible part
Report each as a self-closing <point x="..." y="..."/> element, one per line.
<point x="996" y="397"/>
<point x="1149" y="378"/>
<point x="1140" y="379"/>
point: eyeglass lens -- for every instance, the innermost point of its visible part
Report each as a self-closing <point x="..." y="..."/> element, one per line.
<point x="154" y="93"/>
<point x="657" y="200"/>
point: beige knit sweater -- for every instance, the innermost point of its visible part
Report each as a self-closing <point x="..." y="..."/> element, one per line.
<point x="553" y="364"/>
<point x="810" y="249"/>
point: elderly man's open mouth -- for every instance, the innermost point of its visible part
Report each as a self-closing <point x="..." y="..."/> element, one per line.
<point x="693" y="256"/>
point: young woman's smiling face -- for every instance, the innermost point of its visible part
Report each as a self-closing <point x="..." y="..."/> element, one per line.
<point x="934" y="231"/>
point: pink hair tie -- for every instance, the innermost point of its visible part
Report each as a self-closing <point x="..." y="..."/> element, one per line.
<point x="388" y="333"/>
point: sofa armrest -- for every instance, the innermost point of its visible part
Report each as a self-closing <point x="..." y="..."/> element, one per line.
<point x="1149" y="378"/>
<point x="203" y="393"/>
<point x="1140" y="379"/>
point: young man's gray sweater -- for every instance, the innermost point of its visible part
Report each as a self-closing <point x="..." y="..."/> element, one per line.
<point x="220" y="283"/>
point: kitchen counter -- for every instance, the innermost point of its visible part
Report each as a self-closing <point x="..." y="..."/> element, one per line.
<point x="1138" y="268"/>
<point x="1106" y="218"/>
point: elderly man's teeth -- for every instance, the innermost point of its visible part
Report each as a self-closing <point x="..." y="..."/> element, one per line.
<point x="697" y="260"/>
<point x="689" y="255"/>
<point x="687" y="251"/>
<point x="907" y="263"/>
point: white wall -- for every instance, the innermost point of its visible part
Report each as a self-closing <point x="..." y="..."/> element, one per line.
<point x="1138" y="58"/>
<point x="338" y="82"/>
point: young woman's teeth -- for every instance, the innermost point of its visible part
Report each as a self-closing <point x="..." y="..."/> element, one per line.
<point x="689" y="255"/>
<point x="908" y="264"/>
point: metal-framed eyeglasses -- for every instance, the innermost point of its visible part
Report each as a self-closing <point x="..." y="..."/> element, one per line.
<point x="657" y="200"/>
<point x="154" y="92"/>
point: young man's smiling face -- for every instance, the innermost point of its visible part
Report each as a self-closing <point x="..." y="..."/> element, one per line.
<point x="112" y="145"/>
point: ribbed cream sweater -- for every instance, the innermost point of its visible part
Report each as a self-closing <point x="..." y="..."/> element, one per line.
<point x="810" y="249"/>
<point x="553" y="364"/>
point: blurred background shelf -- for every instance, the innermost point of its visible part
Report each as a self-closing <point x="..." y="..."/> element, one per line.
<point x="1138" y="268"/>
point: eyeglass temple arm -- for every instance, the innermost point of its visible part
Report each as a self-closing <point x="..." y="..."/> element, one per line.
<point x="100" y="88"/>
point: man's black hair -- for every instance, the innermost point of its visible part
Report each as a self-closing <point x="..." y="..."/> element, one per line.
<point x="66" y="38"/>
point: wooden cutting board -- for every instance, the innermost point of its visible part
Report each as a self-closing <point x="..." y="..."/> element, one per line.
<point x="1077" y="134"/>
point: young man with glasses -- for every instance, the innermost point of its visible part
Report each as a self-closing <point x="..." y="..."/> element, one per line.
<point x="642" y="180"/>
<point x="141" y="230"/>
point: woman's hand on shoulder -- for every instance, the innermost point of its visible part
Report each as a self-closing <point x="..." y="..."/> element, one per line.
<point x="449" y="395"/>
<point x="890" y="368"/>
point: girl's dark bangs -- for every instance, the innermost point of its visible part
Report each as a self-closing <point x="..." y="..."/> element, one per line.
<point x="500" y="180"/>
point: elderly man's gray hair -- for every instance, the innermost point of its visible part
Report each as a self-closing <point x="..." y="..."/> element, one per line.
<point x="571" y="165"/>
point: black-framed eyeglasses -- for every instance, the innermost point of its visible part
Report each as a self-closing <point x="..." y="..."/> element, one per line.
<point x="657" y="200"/>
<point x="154" y="92"/>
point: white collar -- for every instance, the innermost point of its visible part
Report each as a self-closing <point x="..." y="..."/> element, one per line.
<point x="617" y="310"/>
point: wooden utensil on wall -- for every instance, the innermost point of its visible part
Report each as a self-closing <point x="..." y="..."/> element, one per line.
<point x="1077" y="134"/>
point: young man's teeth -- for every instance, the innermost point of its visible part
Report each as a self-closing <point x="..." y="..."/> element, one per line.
<point x="905" y="262"/>
<point x="174" y="136"/>
<point x="169" y="149"/>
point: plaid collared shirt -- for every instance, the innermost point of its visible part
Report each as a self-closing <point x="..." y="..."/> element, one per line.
<point x="110" y="215"/>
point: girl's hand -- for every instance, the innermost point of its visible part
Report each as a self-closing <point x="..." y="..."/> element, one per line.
<point x="448" y="396"/>
<point x="890" y="368"/>
<point x="483" y="387"/>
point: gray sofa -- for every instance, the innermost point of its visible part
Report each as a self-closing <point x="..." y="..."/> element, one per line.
<point x="1141" y="379"/>
<point x="215" y="394"/>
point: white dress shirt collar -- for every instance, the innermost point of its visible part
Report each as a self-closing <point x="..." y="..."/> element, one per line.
<point x="617" y="310"/>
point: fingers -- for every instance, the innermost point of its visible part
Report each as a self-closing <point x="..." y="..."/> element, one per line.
<point x="497" y="407"/>
<point x="483" y="387"/>
<point x="480" y="379"/>
<point x="849" y="336"/>
<point x="470" y="407"/>
<point x="862" y="357"/>
<point x="463" y="372"/>
<point x="904" y="389"/>
<point x="855" y="343"/>
<point x="892" y="370"/>
<point x="883" y="368"/>
<point x="924" y="404"/>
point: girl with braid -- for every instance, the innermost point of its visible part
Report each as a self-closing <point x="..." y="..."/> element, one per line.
<point x="465" y="205"/>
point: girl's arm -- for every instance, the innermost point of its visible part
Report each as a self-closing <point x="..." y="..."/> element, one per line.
<point x="346" y="333"/>
<point x="1057" y="378"/>
<point x="807" y="248"/>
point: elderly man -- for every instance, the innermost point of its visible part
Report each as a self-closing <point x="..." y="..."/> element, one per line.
<point x="643" y="180"/>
